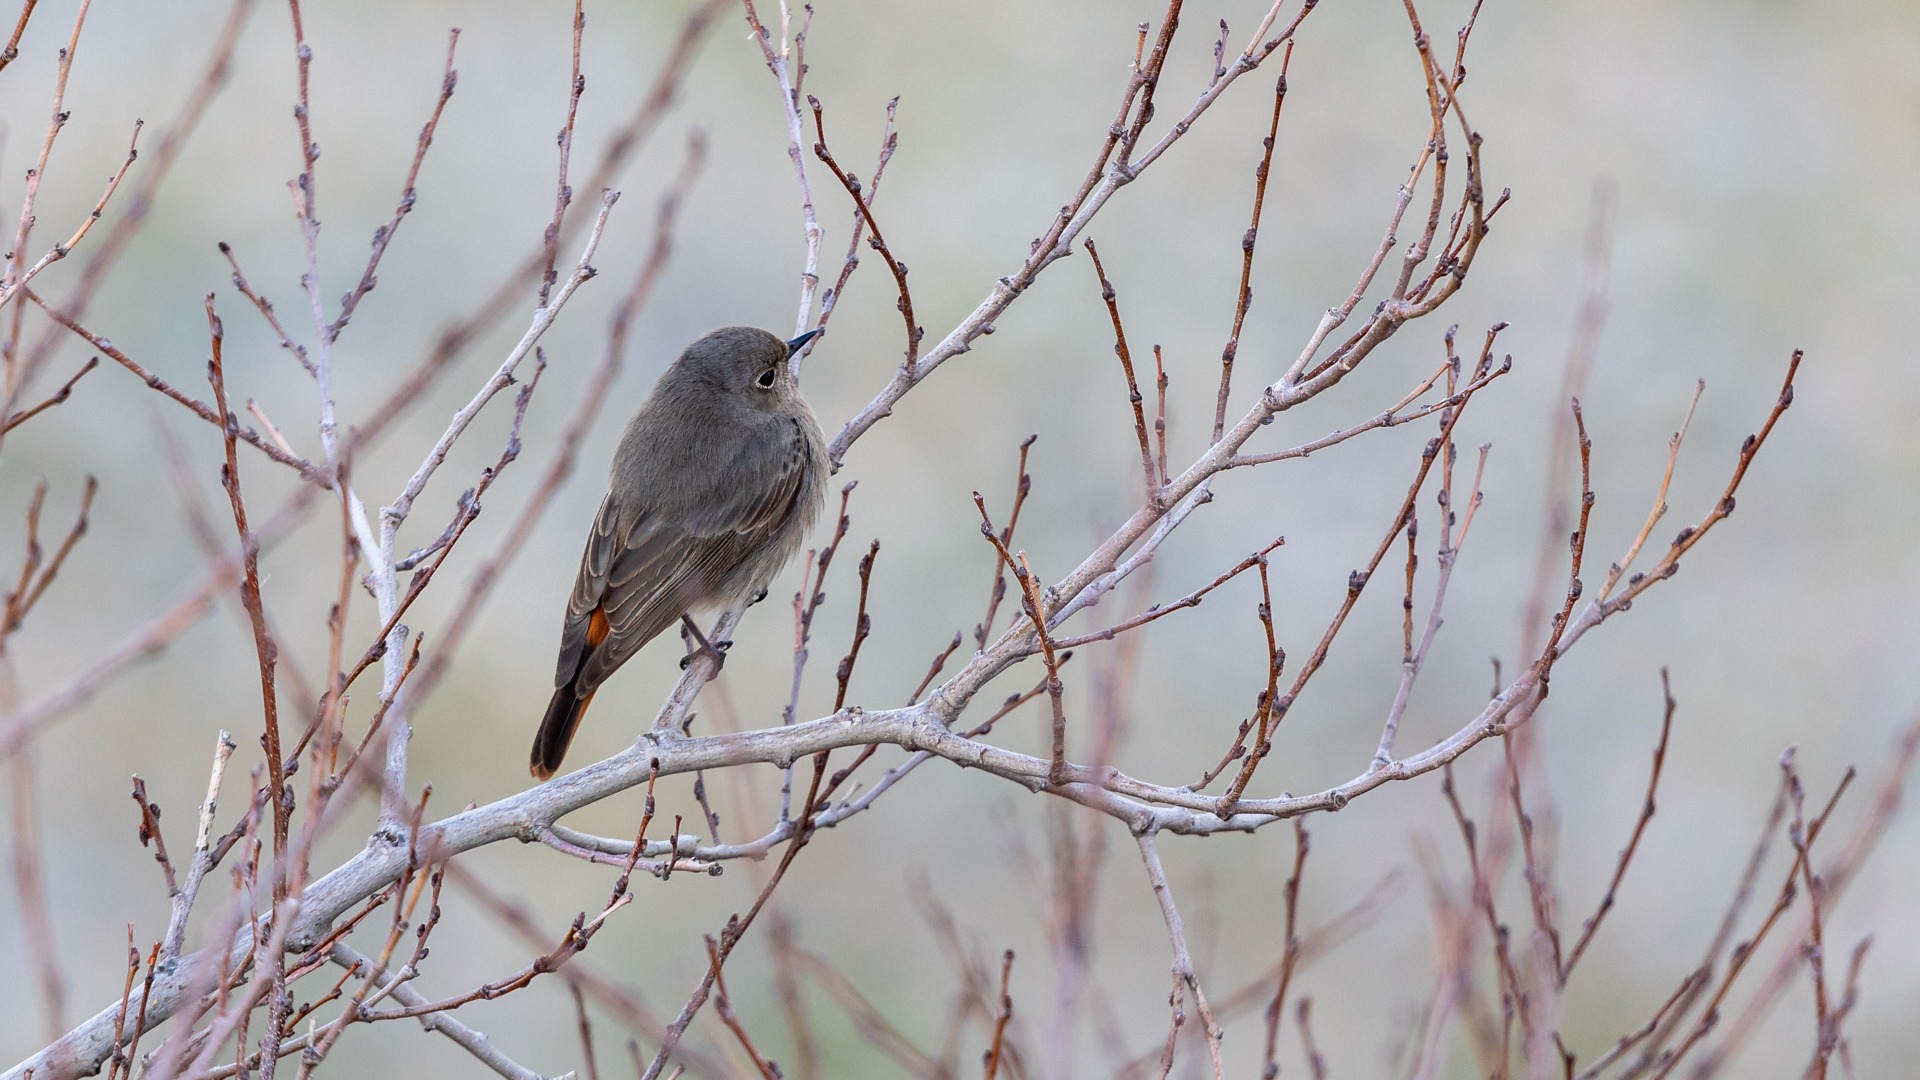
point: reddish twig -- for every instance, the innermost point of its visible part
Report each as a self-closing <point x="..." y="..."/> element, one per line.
<point x="1744" y="952"/>
<point x="563" y="193"/>
<point x="1316" y="1062"/>
<point x="16" y="280"/>
<point x="806" y="603"/>
<point x="126" y="1000"/>
<point x="1669" y="563"/>
<point x="59" y="398"/>
<point x="1289" y="952"/>
<point x="1021" y="488"/>
<point x="1036" y="609"/>
<point x="1826" y="1032"/>
<point x="1160" y="416"/>
<point x="384" y="234"/>
<point x="1244" y="298"/>
<point x="721" y="1005"/>
<point x="30" y="588"/>
<point x="1192" y="599"/>
<point x="150" y="834"/>
<point x="1633" y="843"/>
<point x="852" y="183"/>
<point x="305" y="468"/>
<point x="1272" y="716"/>
<point x="266" y="309"/>
<point x="889" y="141"/>
<point x="862" y="626"/>
<point x="264" y="646"/>
<point x="933" y="670"/>
<point x="1000" y="1019"/>
<point x="1263" y="707"/>
<point x="1619" y="569"/>
<point x="586" y="1032"/>
<point x="1126" y="365"/>
<point x="1483" y="900"/>
<point x="13" y="44"/>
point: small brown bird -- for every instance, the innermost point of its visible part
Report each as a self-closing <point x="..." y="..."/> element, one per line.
<point x="718" y="477"/>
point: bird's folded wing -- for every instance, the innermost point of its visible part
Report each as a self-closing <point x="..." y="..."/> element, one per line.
<point x="596" y="563"/>
<point x="662" y="571"/>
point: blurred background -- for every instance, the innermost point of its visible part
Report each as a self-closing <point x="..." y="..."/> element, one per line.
<point x="1759" y="162"/>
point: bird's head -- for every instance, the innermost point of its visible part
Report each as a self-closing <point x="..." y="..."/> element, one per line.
<point x="746" y="361"/>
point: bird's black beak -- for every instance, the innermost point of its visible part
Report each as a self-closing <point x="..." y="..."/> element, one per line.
<point x="796" y="344"/>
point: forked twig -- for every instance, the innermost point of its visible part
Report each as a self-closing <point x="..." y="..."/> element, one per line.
<point x="852" y="183"/>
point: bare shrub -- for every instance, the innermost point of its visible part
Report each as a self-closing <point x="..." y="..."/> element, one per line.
<point x="296" y="954"/>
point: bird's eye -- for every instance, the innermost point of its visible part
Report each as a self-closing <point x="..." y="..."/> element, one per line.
<point x="766" y="379"/>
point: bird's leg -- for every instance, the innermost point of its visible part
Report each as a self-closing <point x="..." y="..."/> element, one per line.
<point x="700" y="645"/>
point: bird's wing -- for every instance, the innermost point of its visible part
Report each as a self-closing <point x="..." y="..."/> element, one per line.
<point x="661" y="571"/>
<point x="596" y="562"/>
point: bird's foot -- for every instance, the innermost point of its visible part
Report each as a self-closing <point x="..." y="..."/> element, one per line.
<point x="717" y="650"/>
<point x="699" y="646"/>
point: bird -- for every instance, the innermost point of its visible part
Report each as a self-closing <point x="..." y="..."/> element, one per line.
<point x="717" y="479"/>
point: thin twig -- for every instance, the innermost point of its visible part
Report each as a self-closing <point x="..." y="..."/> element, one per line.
<point x="767" y="1069"/>
<point x="790" y="103"/>
<point x="205" y="412"/>
<point x="1619" y="569"/>
<point x="1244" y="298"/>
<point x="1126" y="365"/>
<point x="59" y="398"/>
<point x="384" y="234"/>
<point x="1276" y="711"/>
<point x="1000" y="1019"/>
<point x="18" y="281"/>
<point x="1633" y="843"/>
<point x="852" y="183"/>
<point x="563" y="192"/>
<point x="1021" y="488"/>
<point x="889" y="141"/>
<point x="1289" y="952"/>
<point x="867" y="1019"/>
<point x="13" y="44"/>
<point x="12" y="280"/>
<point x="1036" y="610"/>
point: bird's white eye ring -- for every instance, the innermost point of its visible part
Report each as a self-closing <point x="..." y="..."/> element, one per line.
<point x="766" y="379"/>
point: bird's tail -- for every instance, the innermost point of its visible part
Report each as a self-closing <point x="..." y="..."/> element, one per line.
<point x="556" y="731"/>
<point x="567" y="707"/>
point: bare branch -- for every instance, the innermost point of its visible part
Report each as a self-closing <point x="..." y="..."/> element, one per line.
<point x="18" y="281"/>
<point x="1244" y="298"/>
<point x="790" y="101"/>
<point x="1633" y="843"/>
<point x="306" y="469"/>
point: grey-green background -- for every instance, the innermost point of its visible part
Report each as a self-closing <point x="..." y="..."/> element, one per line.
<point x="1762" y="157"/>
